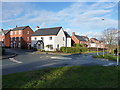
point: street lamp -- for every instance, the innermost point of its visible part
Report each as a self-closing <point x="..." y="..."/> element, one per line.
<point x="103" y="43"/>
<point x="118" y="49"/>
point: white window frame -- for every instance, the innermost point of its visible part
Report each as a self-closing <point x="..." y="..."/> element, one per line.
<point x="15" y="32"/>
<point x="11" y="33"/>
<point x="20" y="32"/>
<point x="28" y="38"/>
<point x="28" y="32"/>
<point x="19" y="38"/>
<point x="15" y="38"/>
<point x="11" y="44"/>
<point x="19" y="44"/>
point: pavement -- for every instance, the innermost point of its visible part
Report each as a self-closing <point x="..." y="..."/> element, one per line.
<point x="27" y="60"/>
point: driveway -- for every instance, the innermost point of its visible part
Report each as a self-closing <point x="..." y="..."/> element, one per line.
<point x="27" y="61"/>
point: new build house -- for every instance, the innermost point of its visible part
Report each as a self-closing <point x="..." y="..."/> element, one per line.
<point x="80" y="39"/>
<point x="96" y="43"/>
<point x="93" y="42"/>
<point x="50" y="39"/>
<point x="5" y="38"/>
<point x="18" y="37"/>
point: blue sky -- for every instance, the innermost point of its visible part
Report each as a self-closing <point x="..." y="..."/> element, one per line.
<point x="83" y="18"/>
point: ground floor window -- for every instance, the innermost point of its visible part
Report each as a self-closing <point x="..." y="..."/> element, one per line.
<point x="19" y="44"/>
<point x="11" y="44"/>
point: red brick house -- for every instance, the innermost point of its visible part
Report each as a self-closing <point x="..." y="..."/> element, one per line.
<point x="93" y="42"/>
<point x="96" y="43"/>
<point x="80" y="39"/>
<point x="18" y="37"/>
<point x="5" y="37"/>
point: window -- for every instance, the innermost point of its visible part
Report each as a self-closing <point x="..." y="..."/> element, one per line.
<point x="27" y="38"/>
<point x="50" y="38"/>
<point x="19" y="32"/>
<point x="15" y="32"/>
<point x="15" y="38"/>
<point x="11" y="44"/>
<point x="42" y="38"/>
<point x="34" y="45"/>
<point x="11" y="33"/>
<point x="11" y="38"/>
<point x="27" y="32"/>
<point x="19" y="38"/>
<point x="35" y="38"/>
<point x="19" y="44"/>
<point x="63" y="38"/>
<point x="51" y="46"/>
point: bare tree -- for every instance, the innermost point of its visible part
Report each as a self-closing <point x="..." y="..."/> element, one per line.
<point x="110" y="38"/>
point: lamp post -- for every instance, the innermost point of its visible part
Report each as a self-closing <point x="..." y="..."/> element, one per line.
<point x="103" y="43"/>
<point x="118" y="49"/>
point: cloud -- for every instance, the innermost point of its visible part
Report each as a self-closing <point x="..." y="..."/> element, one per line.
<point x="83" y="16"/>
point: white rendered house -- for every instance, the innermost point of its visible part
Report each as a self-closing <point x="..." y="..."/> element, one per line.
<point x="50" y="39"/>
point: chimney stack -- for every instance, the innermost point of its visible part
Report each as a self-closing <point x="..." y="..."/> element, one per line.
<point x="37" y="27"/>
<point x="73" y="33"/>
<point x="16" y="26"/>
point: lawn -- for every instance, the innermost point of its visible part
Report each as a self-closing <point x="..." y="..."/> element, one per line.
<point x="107" y="56"/>
<point x="65" y="77"/>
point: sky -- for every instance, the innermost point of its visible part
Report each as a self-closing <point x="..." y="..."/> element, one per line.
<point x="83" y="18"/>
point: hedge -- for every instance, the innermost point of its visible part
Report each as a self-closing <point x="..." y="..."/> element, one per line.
<point x="73" y="49"/>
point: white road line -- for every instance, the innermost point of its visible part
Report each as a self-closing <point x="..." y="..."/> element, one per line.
<point x="109" y="64"/>
<point x="12" y="59"/>
<point x="40" y="57"/>
<point x="60" y="58"/>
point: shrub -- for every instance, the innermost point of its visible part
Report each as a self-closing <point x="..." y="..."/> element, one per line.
<point x="73" y="49"/>
<point x="78" y="45"/>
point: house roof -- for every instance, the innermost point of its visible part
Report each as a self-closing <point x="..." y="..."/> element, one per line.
<point x="81" y="38"/>
<point x="5" y="31"/>
<point x="94" y="39"/>
<point x="19" y="28"/>
<point x="66" y="34"/>
<point x="47" y="31"/>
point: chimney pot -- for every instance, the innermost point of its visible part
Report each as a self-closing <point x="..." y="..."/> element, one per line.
<point x="37" y="27"/>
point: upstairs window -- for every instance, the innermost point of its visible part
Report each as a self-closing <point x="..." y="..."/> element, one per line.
<point x="27" y="32"/>
<point x="42" y="38"/>
<point x="50" y="38"/>
<point x="15" y="32"/>
<point x="11" y="33"/>
<point x="35" y="38"/>
<point x="20" y="32"/>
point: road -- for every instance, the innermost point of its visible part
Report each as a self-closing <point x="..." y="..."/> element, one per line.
<point x="27" y="61"/>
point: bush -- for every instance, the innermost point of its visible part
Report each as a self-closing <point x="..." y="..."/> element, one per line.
<point x="73" y="49"/>
<point x="78" y="45"/>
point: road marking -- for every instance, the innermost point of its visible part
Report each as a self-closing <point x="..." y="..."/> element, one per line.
<point x="12" y="59"/>
<point x="60" y="58"/>
<point x="40" y="57"/>
<point x="109" y="64"/>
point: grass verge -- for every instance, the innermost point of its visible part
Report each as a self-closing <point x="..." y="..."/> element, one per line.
<point x="65" y="77"/>
<point x="107" y="56"/>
